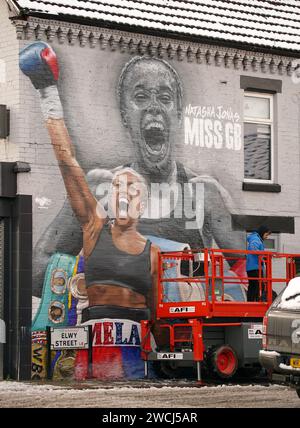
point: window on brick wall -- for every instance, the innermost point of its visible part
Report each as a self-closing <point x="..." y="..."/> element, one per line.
<point x="258" y="137"/>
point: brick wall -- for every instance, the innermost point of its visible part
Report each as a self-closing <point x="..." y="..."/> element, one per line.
<point x="9" y="84"/>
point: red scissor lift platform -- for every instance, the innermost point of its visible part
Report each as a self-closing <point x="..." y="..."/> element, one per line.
<point x="186" y="320"/>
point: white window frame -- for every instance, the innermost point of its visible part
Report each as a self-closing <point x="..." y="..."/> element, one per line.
<point x="277" y="243"/>
<point x="269" y="122"/>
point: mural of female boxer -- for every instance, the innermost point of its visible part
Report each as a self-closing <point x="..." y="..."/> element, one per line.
<point x="150" y="95"/>
<point x="119" y="260"/>
<point x="120" y="265"/>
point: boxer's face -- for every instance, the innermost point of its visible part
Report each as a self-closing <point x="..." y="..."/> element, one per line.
<point x="151" y="112"/>
<point x="127" y="195"/>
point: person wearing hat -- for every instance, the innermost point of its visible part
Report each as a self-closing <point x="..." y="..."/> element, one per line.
<point x="255" y="243"/>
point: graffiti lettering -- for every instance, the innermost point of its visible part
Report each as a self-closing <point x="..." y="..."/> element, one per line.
<point x="38" y="366"/>
<point x="218" y="112"/>
<point x="207" y="133"/>
<point x="114" y="333"/>
<point x="38" y="354"/>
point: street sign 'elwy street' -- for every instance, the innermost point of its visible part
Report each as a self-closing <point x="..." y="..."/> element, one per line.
<point x="69" y="338"/>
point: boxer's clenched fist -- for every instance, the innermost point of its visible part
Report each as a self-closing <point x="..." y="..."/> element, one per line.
<point x="38" y="61"/>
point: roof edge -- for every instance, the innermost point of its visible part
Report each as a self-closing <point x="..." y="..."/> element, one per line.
<point x="14" y="6"/>
<point x="158" y="33"/>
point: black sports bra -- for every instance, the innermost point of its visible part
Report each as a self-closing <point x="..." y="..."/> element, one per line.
<point x="109" y="265"/>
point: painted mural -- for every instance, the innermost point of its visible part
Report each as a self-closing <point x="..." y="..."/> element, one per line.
<point x="105" y="239"/>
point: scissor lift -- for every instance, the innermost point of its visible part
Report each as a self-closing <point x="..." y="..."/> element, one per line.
<point x="187" y="321"/>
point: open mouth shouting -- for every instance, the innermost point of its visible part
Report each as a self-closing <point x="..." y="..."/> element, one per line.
<point x="123" y="207"/>
<point x="155" y="136"/>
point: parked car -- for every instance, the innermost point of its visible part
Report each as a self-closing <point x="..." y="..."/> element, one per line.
<point x="280" y="355"/>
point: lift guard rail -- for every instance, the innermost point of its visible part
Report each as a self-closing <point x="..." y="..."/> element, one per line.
<point x="220" y="266"/>
<point x="216" y="269"/>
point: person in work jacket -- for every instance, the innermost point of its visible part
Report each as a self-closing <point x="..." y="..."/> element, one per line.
<point x="255" y="243"/>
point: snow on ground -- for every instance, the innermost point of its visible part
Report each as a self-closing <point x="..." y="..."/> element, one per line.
<point x="114" y="395"/>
